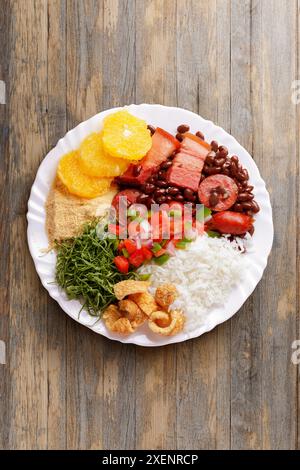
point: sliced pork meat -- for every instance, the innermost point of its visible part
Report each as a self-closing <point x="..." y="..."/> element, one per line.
<point x="163" y="145"/>
<point x="188" y="163"/>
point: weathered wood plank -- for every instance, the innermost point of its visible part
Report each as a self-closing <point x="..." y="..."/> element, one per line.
<point x="56" y="326"/>
<point x="156" y="83"/>
<point x="245" y="338"/>
<point x="298" y="212"/>
<point x="28" y="303"/>
<point x="274" y="146"/>
<point x="5" y="17"/>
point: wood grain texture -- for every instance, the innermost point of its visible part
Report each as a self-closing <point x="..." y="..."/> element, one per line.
<point x="156" y="83"/>
<point x="233" y="62"/>
<point x="4" y="233"/>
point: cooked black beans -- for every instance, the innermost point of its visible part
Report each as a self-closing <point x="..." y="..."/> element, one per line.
<point x="166" y="165"/>
<point x="179" y="137"/>
<point x="162" y="183"/>
<point x="213" y="199"/>
<point x="179" y="198"/>
<point x="214" y="145"/>
<point x="149" y="188"/>
<point x="183" y="128"/>
<point x="189" y="195"/>
<point x="136" y="170"/>
<point x="243" y="197"/>
<point x="200" y="135"/>
<point x="172" y="191"/>
<point x="151" y="129"/>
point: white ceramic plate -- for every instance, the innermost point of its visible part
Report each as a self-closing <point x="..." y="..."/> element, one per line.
<point x="167" y="118"/>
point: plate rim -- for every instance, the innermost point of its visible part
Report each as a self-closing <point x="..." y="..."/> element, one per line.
<point x="199" y="331"/>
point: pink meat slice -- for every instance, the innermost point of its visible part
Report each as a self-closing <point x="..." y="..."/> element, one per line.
<point x="185" y="171"/>
<point x="163" y="145"/>
<point x="193" y="145"/>
<point x="188" y="163"/>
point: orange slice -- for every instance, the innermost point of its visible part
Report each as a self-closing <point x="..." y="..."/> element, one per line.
<point x="126" y="136"/>
<point x="94" y="161"/>
<point x="71" y="175"/>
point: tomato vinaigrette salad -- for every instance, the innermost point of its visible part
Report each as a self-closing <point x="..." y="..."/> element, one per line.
<point x="153" y="226"/>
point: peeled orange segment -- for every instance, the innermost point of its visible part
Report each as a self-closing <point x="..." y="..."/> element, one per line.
<point x="71" y="175"/>
<point x="94" y="161"/>
<point x="126" y="136"/>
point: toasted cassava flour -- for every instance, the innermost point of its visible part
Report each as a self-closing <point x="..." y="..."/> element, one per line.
<point x="66" y="213"/>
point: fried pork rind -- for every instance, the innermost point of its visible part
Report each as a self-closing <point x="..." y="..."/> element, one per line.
<point x="165" y="295"/>
<point x="166" y="323"/>
<point x="124" y="288"/>
<point x="145" y="301"/>
<point x="132" y="311"/>
<point x="115" y="322"/>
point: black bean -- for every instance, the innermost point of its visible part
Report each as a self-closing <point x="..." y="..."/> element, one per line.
<point x="183" y="128"/>
<point x="161" y="175"/>
<point x="247" y="206"/>
<point x="179" y="198"/>
<point x="136" y="170"/>
<point x="142" y="199"/>
<point x="169" y="198"/>
<point x="248" y="189"/>
<point x="159" y="192"/>
<point x="210" y="157"/>
<point x="161" y="199"/>
<point x="200" y="135"/>
<point x="162" y="184"/>
<point x="251" y="231"/>
<point x="233" y="168"/>
<point x="166" y="165"/>
<point x="235" y="159"/>
<point x="237" y="207"/>
<point x="148" y="188"/>
<point x="152" y="179"/>
<point x="219" y="161"/>
<point x="179" y="137"/>
<point x="189" y="194"/>
<point x="241" y="176"/>
<point x="151" y="129"/>
<point x="226" y="172"/>
<point x="213" y="199"/>
<point x="243" y="197"/>
<point x="223" y="151"/>
<point x="255" y="207"/>
<point x="214" y="145"/>
<point x="172" y="191"/>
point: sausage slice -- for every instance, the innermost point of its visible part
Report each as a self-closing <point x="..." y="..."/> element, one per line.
<point x="218" y="192"/>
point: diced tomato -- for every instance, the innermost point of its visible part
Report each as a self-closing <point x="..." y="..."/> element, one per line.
<point x="137" y="258"/>
<point x="160" y="225"/>
<point x="122" y="264"/>
<point x="130" y="246"/>
<point x="117" y="230"/>
<point x="147" y="253"/>
<point x="121" y="245"/>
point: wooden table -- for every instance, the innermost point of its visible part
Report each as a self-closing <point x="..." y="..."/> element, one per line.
<point x="234" y="62"/>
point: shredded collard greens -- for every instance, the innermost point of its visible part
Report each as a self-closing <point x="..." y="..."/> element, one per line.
<point x="85" y="269"/>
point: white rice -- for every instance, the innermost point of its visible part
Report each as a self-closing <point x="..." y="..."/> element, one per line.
<point x="204" y="275"/>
